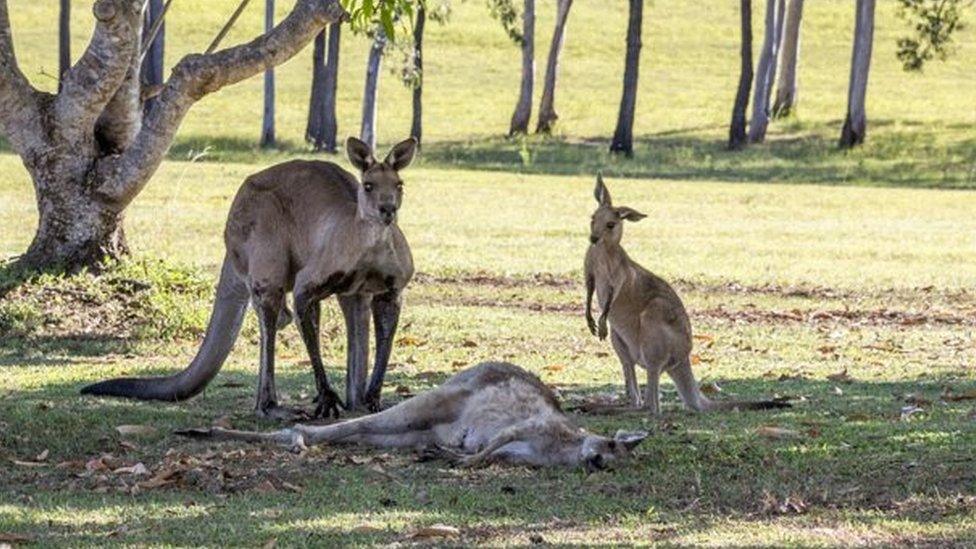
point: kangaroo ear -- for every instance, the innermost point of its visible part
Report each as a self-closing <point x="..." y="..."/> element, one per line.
<point x="401" y="155"/>
<point x="600" y="192"/>
<point x="630" y="439"/>
<point x="360" y="154"/>
<point x="629" y="214"/>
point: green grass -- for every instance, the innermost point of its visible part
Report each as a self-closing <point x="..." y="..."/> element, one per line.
<point x="786" y="283"/>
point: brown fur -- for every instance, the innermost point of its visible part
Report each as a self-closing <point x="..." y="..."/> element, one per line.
<point x="648" y="322"/>
<point x="493" y="411"/>
<point x="309" y="228"/>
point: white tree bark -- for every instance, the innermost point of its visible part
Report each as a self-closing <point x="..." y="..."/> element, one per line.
<point x="788" y="57"/>
<point x="547" y="105"/>
<point x="856" y="121"/>
<point x="367" y="131"/>
<point x="523" y="108"/>
<point x="765" y="72"/>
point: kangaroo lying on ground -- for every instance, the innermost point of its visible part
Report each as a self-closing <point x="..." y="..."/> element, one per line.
<point x="648" y="322"/>
<point x="310" y="228"/>
<point x="493" y="411"/>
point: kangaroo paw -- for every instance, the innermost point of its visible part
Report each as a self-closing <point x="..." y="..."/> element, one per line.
<point x="328" y="405"/>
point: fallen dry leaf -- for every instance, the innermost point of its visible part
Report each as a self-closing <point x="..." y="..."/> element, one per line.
<point x="270" y="544"/>
<point x="6" y="537"/>
<point x="137" y="469"/>
<point x="469" y="343"/>
<point x="554" y="368"/>
<point x="161" y="479"/>
<point x="773" y="432"/>
<point x="292" y="487"/>
<point x="916" y="400"/>
<point x="949" y="396"/>
<point x="410" y="341"/>
<point x="840" y="377"/>
<point x="135" y="430"/>
<point x="367" y="529"/>
<point x="710" y="388"/>
<point x="695" y="359"/>
<point x="223" y="422"/>
<point x="42" y="456"/>
<point x="435" y="531"/>
<point x="23" y="463"/>
<point x="265" y="487"/>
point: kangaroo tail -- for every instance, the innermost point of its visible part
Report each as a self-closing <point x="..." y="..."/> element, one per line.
<point x="691" y="395"/>
<point x="225" y="323"/>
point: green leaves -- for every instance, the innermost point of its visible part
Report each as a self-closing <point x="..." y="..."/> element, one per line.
<point x="393" y="17"/>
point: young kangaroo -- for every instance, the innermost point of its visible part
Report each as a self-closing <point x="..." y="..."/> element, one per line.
<point x="648" y="322"/>
<point x="493" y="411"/>
<point x="310" y="228"/>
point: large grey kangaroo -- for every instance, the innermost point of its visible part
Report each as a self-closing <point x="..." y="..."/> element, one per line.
<point x="648" y="322"/>
<point x="493" y="411"/>
<point x="310" y="228"/>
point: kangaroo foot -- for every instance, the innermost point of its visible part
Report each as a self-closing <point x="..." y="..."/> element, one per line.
<point x="372" y="401"/>
<point x="327" y="404"/>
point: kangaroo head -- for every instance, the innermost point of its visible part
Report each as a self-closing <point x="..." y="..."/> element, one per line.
<point x="598" y="452"/>
<point x="605" y="225"/>
<point x="381" y="192"/>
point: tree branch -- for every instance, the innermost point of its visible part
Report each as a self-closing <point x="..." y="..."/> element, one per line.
<point x="19" y="101"/>
<point x="93" y="81"/>
<point x="122" y="177"/>
<point x="119" y="123"/>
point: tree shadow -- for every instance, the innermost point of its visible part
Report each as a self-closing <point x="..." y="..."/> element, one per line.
<point x="897" y="154"/>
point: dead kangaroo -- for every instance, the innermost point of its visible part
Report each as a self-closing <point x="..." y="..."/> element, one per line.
<point x="493" y="411"/>
<point x="648" y="322"/>
<point x="309" y="228"/>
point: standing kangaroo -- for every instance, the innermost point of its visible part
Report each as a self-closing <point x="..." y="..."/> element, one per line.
<point x="648" y="322"/>
<point x="309" y="228"/>
<point x="493" y="411"/>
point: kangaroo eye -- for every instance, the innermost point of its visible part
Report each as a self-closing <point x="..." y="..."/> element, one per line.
<point x="368" y="187"/>
<point x="611" y="225"/>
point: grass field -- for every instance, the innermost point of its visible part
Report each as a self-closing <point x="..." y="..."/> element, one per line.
<point x="842" y="280"/>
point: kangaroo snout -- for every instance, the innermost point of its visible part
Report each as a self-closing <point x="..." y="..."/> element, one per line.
<point x="594" y="239"/>
<point x="388" y="213"/>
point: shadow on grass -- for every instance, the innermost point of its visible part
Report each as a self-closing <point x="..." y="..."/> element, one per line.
<point x="800" y="153"/>
<point x="842" y="452"/>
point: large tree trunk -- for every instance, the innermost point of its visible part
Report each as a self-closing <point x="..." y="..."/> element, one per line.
<point x="152" y="63"/>
<point x="268" y="120"/>
<point x="417" y="123"/>
<point x="765" y="73"/>
<point x="367" y="131"/>
<point x="315" y="128"/>
<point x="623" y="136"/>
<point x="788" y="56"/>
<point x="737" y="129"/>
<point x="87" y="149"/>
<point x="523" y="109"/>
<point x="547" y="106"/>
<point x="64" y="39"/>
<point x="330" y="120"/>
<point x="855" y="123"/>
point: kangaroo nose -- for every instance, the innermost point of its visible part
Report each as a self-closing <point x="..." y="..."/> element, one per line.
<point x="387" y="211"/>
<point x="593" y="239"/>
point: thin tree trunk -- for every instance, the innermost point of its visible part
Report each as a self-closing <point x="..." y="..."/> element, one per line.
<point x="547" y="106"/>
<point x="523" y="109"/>
<point x="765" y="70"/>
<point x="368" y="130"/>
<point x="855" y="123"/>
<point x="417" y="123"/>
<point x="623" y="136"/>
<point x="737" y="129"/>
<point x="64" y="39"/>
<point x="788" y="57"/>
<point x="152" y="63"/>
<point x="315" y="126"/>
<point x="330" y="121"/>
<point x="268" y="120"/>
